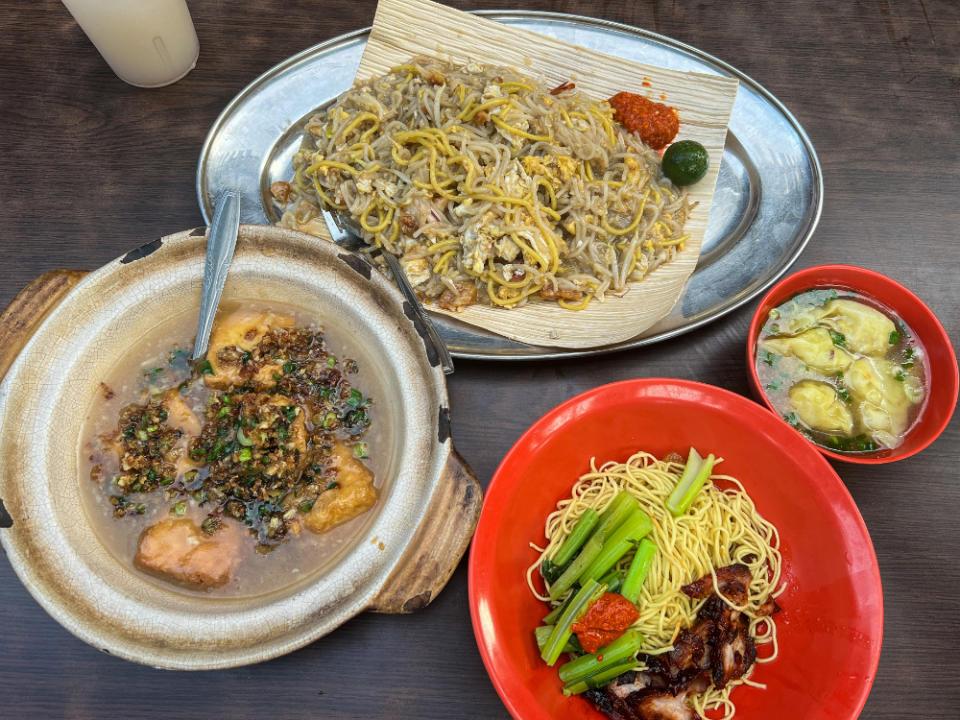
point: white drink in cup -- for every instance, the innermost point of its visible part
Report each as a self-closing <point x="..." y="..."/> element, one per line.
<point x="147" y="43"/>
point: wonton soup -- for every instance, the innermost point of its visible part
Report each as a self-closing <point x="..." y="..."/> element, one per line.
<point x="241" y="474"/>
<point x="843" y="370"/>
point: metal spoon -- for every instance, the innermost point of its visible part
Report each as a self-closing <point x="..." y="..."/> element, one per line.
<point x="221" y="242"/>
<point x="349" y="238"/>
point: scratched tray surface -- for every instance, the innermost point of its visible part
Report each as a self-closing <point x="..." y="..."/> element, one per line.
<point x="767" y="203"/>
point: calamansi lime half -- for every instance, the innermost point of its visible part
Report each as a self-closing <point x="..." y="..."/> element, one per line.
<point x="685" y="162"/>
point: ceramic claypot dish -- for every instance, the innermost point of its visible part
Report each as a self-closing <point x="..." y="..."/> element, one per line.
<point x="394" y="557"/>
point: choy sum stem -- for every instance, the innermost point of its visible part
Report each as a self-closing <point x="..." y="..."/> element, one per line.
<point x="577" y="537"/>
<point x="575" y="570"/>
<point x="624" y="647"/>
<point x="625" y="537"/>
<point x="561" y="633"/>
<point x="639" y="567"/>
<point x="695" y="475"/>
<point x="600" y="679"/>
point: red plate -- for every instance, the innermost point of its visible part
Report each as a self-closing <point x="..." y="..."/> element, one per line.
<point x="831" y="625"/>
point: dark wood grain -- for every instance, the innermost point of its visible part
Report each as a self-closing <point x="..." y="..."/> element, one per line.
<point x="93" y="167"/>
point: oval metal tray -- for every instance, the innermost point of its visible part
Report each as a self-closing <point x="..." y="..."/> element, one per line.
<point x="767" y="203"/>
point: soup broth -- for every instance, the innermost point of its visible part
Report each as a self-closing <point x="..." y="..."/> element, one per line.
<point x="232" y="478"/>
<point x="843" y="370"/>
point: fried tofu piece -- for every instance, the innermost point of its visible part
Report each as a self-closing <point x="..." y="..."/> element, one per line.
<point x="354" y="496"/>
<point x="297" y="439"/>
<point x="239" y="332"/>
<point x="178" y="550"/>
<point x="181" y="417"/>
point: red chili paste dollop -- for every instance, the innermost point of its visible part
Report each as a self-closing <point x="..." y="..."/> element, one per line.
<point x="655" y="123"/>
<point x="605" y="621"/>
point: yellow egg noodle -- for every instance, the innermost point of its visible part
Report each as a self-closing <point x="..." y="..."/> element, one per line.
<point x="488" y="188"/>
<point x="721" y="527"/>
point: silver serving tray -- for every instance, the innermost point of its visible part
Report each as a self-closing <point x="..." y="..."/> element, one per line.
<point x="767" y="203"/>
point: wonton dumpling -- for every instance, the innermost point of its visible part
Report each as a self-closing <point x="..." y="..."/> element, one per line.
<point x="819" y="407"/>
<point x="866" y="330"/>
<point x="814" y="347"/>
<point x="882" y="400"/>
<point x="796" y="323"/>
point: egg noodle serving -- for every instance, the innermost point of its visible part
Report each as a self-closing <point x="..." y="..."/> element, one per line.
<point x="716" y="531"/>
<point x="490" y="186"/>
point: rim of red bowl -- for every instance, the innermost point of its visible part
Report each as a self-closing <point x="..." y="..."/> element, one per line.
<point x="522" y="445"/>
<point x="793" y="284"/>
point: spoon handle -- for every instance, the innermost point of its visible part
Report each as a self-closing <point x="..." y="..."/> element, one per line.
<point x="446" y="362"/>
<point x="221" y="241"/>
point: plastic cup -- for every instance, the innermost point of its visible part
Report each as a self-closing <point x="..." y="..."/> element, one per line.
<point x="147" y="43"/>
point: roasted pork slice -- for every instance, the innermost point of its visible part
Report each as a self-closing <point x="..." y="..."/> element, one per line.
<point x="178" y="549"/>
<point x="644" y="704"/>
<point x="733" y="651"/>
<point x="733" y="583"/>
<point x="688" y="659"/>
<point x="609" y="704"/>
<point x="629" y="683"/>
<point x="717" y="649"/>
<point x="768" y="608"/>
<point x="665" y="705"/>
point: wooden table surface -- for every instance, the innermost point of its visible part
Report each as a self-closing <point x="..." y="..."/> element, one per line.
<point x="93" y="167"/>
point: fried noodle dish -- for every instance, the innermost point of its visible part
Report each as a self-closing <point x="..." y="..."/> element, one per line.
<point x="489" y="186"/>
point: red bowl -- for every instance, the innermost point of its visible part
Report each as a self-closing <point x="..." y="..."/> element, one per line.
<point x="831" y="625"/>
<point x="940" y="357"/>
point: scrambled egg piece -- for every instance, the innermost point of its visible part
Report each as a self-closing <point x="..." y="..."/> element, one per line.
<point x="416" y="268"/>
<point x="507" y="249"/>
<point x="364" y="185"/>
<point x="515" y="181"/>
<point x="477" y="246"/>
<point x="491" y="92"/>
<point x="480" y="241"/>
<point x="552" y="167"/>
